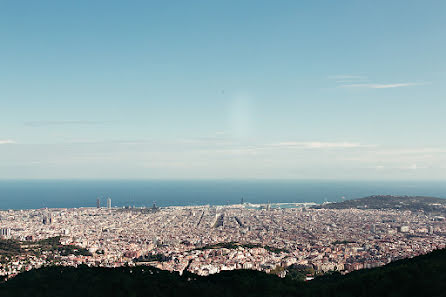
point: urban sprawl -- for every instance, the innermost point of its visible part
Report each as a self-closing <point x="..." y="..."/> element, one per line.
<point x="209" y="239"/>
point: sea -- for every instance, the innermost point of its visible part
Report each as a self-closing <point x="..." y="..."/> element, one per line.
<point x="34" y="194"/>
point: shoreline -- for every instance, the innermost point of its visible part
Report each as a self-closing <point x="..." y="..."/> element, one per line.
<point x="278" y="205"/>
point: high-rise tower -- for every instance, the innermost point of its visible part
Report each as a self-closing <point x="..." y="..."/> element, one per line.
<point x="108" y="203"/>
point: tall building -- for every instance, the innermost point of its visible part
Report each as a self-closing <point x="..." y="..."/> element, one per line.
<point x="45" y="220"/>
<point x="268" y="206"/>
<point x="98" y="203"/>
<point x="108" y="203"/>
<point x="5" y="232"/>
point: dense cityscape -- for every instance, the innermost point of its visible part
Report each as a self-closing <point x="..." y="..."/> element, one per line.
<point x="209" y="239"/>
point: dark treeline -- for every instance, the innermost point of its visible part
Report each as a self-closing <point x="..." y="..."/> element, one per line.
<point x="421" y="276"/>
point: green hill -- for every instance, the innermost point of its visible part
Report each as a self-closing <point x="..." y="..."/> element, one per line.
<point x="420" y="276"/>
<point x="10" y="248"/>
<point x="431" y="205"/>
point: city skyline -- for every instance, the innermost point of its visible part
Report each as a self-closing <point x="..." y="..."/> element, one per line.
<point x="252" y="90"/>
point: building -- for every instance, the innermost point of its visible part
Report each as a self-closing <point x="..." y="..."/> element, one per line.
<point x="98" y="203"/>
<point x="5" y="232"/>
<point x="268" y="206"/>
<point x="47" y="219"/>
<point x="404" y="229"/>
<point x="108" y="203"/>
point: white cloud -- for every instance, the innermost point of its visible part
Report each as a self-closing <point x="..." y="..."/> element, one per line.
<point x="413" y="151"/>
<point x="412" y="167"/>
<point x="7" y="141"/>
<point x="318" y="144"/>
<point x="63" y="123"/>
<point x="393" y="167"/>
<point x="361" y="81"/>
<point x="381" y="86"/>
<point x="241" y="151"/>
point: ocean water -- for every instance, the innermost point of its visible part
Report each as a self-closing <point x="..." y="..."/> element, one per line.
<point x="26" y="194"/>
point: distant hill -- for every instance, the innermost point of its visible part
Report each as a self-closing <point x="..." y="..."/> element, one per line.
<point x="420" y="276"/>
<point x="429" y="205"/>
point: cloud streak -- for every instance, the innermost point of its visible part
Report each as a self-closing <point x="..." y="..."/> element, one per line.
<point x="410" y="167"/>
<point x="319" y="145"/>
<point x="62" y="123"/>
<point x="361" y="81"/>
<point x="7" y="141"/>
<point x="413" y="151"/>
<point x="381" y="86"/>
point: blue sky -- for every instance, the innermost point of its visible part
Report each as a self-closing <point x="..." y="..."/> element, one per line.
<point x="223" y="89"/>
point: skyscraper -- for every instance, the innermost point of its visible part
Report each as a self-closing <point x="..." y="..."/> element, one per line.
<point x="98" y="203"/>
<point x="5" y="232"/>
<point x="47" y="219"/>
<point x="108" y="203"/>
